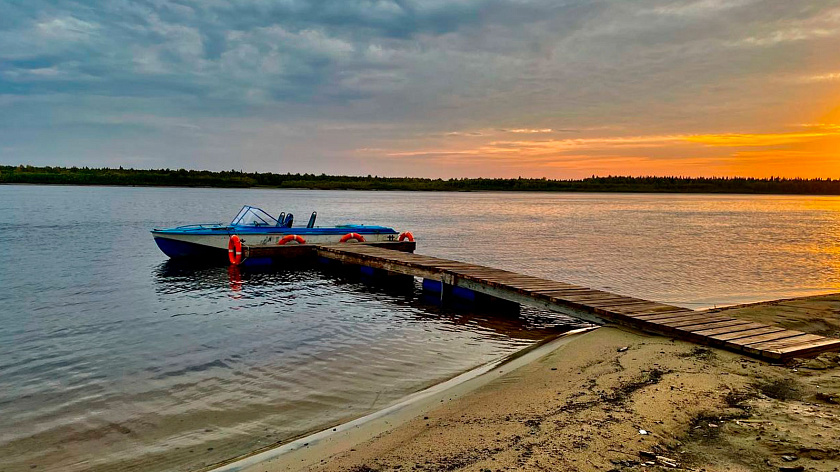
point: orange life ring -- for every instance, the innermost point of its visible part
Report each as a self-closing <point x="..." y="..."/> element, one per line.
<point x="407" y="235"/>
<point x="289" y="238"/>
<point x="347" y="237"/>
<point x="235" y="250"/>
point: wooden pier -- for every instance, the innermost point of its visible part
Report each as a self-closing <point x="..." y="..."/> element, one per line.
<point x="596" y="306"/>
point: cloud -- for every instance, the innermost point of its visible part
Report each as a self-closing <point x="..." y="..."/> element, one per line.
<point x="698" y="8"/>
<point x="414" y="75"/>
<point x="529" y="130"/>
<point x="553" y="146"/>
<point x="827" y="77"/>
<point x="758" y="140"/>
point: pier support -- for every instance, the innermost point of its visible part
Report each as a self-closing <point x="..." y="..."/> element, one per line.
<point x="468" y="297"/>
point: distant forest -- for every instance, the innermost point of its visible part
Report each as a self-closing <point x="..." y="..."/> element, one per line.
<point x="202" y="178"/>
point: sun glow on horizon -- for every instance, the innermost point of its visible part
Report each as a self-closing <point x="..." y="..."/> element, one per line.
<point x="809" y="152"/>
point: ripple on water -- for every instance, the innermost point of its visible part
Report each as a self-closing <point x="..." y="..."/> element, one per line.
<point x="120" y="360"/>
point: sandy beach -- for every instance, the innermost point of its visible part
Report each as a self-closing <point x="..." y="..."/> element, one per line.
<point x="616" y="399"/>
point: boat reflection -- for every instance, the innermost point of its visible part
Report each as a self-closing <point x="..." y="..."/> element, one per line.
<point x="235" y="277"/>
<point x="403" y="293"/>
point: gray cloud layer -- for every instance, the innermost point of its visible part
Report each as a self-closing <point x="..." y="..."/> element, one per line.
<point x="298" y="85"/>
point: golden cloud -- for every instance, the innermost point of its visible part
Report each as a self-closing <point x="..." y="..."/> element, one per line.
<point x="751" y="140"/>
<point x="529" y="130"/>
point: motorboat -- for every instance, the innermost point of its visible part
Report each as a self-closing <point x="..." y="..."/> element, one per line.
<point x="256" y="227"/>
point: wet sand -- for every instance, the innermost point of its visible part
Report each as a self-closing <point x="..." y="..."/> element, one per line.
<point x="615" y="399"/>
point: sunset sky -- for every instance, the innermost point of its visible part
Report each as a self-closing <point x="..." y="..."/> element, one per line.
<point x="435" y="88"/>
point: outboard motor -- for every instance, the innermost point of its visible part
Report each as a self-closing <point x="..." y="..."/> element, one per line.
<point x="280" y="218"/>
<point x="311" y="223"/>
<point x="287" y="223"/>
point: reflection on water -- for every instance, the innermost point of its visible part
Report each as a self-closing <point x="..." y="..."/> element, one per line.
<point x="241" y="358"/>
<point x="113" y="358"/>
<point x="174" y="276"/>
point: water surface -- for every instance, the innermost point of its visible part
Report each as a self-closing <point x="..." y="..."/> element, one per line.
<point x="113" y="358"/>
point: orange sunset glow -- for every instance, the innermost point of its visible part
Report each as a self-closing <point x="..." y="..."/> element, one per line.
<point x="813" y="153"/>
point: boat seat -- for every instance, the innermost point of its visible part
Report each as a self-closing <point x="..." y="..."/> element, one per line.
<point x="311" y="223"/>
<point x="287" y="223"/>
<point x="280" y="218"/>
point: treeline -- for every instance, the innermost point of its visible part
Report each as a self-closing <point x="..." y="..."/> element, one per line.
<point x="202" y="178"/>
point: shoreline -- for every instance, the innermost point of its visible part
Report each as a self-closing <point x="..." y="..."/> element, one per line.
<point x="614" y="399"/>
<point x="419" y="190"/>
<point x="310" y="449"/>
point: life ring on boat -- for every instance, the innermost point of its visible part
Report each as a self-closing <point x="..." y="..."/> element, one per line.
<point x="406" y="235"/>
<point x="235" y="250"/>
<point x="289" y="238"/>
<point x="347" y="237"/>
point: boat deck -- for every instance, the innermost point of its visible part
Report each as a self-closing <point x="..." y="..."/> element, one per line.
<point x="755" y="339"/>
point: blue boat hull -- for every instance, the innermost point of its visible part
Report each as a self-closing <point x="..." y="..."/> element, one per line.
<point x="181" y="249"/>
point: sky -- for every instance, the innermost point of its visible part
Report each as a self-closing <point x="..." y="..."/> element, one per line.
<point x="434" y="88"/>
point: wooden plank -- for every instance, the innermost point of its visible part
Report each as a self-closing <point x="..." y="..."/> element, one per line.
<point x="643" y="309"/>
<point x="807" y="350"/>
<point x="732" y="330"/>
<point x="518" y="277"/>
<point x="505" y="280"/>
<point x="565" y="286"/>
<point x="604" y="301"/>
<point x="594" y="293"/>
<point x="543" y="286"/>
<point x="551" y="292"/>
<point x="529" y="279"/>
<point x="665" y="309"/>
<point x="494" y="276"/>
<point x="620" y="301"/>
<point x="693" y="321"/>
<point x="674" y="317"/>
<point x="522" y="288"/>
<point x="766" y="337"/>
<point x="648" y="316"/>
<point x="589" y="298"/>
<point x="746" y="334"/>
<point x="563" y="293"/>
<point x="662" y="317"/>
<point x="763" y="351"/>
<point x="686" y="328"/>
<point x="483" y="274"/>
<point x="639" y="301"/>
<point x="640" y="315"/>
<point x="694" y="329"/>
<point x="468" y="270"/>
<point x="633" y="304"/>
<point x="536" y="287"/>
<point x="787" y="342"/>
<point x="533" y="288"/>
<point x="623" y="310"/>
<point x="558" y="289"/>
<point x="378" y="264"/>
<point x="566" y="298"/>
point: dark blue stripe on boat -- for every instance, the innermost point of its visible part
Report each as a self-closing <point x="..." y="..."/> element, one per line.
<point x="174" y="248"/>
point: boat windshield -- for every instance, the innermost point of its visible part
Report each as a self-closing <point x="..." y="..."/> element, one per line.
<point x="253" y="216"/>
